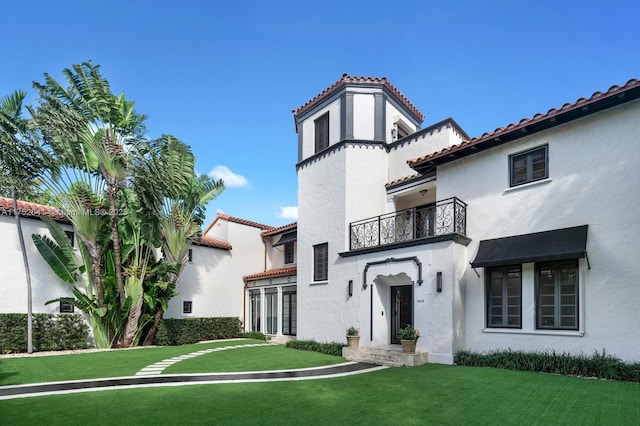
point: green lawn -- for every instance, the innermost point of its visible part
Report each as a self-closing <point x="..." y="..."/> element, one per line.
<point x="430" y="394"/>
<point x="114" y="363"/>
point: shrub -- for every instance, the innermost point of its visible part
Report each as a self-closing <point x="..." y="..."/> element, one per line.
<point x="334" y="349"/>
<point x="182" y="331"/>
<point x="256" y="335"/>
<point x="598" y="365"/>
<point x="50" y="332"/>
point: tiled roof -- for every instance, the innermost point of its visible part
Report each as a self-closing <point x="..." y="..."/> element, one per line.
<point x="347" y="79"/>
<point x="212" y="242"/>
<point x="272" y="273"/>
<point x="569" y="111"/>
<point x="403" y="180"/>
<point x="237" y="220"/>
<point x="280" y="229"/>
<point x="30" y="209"/>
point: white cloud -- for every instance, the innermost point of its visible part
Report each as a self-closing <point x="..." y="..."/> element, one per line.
<point x="288" y="212"/>
<point x="230" y="179"/>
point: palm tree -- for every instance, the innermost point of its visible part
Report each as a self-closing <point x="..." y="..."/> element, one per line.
<point x="21" y="160"/>
<point x="90" y="125"/>
<point x="168" y="189"/>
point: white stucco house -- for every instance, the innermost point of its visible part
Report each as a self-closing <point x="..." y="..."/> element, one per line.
<point x="271" y="293"/>
<point x="522" y="238"/>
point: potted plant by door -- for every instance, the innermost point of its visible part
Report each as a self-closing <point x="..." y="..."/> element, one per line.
<point x="353" y="337"/>
<point x="408" y="338"/>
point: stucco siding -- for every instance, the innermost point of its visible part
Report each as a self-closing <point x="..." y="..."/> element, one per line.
<point x="45" y="284"/>
<point x="593" y="180"/>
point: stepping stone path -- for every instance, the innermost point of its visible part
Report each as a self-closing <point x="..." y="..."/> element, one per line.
<point x="158" y="367"/>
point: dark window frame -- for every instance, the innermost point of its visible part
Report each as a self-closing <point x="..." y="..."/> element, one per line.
<point x="190" y="255"/>
<point x="289" y="253"/>
<point x="321" y="126"/>
<point x="66" y="306"/>
<point x="528" y="157"/>
<point x="503" y="298"/>
<point x="321" y="262"/>
<point x="558" y="296"/>
<point x="187" y="306"/>
<point x="71" y="236"/>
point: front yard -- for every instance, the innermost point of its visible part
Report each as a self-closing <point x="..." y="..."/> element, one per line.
<point x="430" y="394"/>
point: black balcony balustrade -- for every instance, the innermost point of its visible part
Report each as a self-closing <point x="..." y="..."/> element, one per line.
<point x="444" y="217"/>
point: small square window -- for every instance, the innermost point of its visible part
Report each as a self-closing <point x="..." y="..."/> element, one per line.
<point x="187" y="307"/>
<point x="71" y="237"/>
<point x="66" y="306"/>
<point x="321" y="262"/>
<point x="529" y="166"/>
<point x="322" y="132"/>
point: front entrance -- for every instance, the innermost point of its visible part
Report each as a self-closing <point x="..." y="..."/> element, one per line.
<point x="401" y="310"/>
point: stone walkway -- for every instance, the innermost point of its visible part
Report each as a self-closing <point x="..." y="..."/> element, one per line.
<point x="151" y="376"/>
<point x="158" y="367"/>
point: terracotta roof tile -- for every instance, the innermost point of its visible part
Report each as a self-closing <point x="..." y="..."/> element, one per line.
<point x="212" y="242"/>
<point x="347" y="79"/>
<point x="512" y="127"/>
<point x="272" y="273"/>
<point x="237" y="220"/>
<point x="28" y="209"/>
<point x="403" y="179"/>
<point x="280" y="229"/>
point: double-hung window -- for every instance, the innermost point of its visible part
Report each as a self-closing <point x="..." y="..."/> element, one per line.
<point x="321" y="262"/>
<point x="322" y="132"/>
<point x="504" y="297"/>
<point x="557" y="295"/>
<point x="529" y="166"/>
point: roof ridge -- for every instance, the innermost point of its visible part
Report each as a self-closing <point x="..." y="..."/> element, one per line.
<point x="346" y="78"/>
<point x="579" y="103"/>
<point x="280" y="229"/>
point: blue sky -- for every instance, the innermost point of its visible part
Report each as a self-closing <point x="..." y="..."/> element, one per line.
<point x="224" y="76"/>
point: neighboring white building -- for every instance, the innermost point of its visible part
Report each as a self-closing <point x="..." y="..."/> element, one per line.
<point x="271" y="295"/>
<point x="522" y="238"/>
<point x="45" y="284"/>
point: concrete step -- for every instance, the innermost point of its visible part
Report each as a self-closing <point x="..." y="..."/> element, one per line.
<point x="384" y="356"/>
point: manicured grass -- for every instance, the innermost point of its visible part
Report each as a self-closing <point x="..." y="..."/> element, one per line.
<point x="114" y="363"/>
<point x="252" y="359"/>
<point x="430" y="394"/>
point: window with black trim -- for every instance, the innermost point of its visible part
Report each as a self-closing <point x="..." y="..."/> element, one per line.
<point x="504" y="297"/>
<point x="321" y="262"/>
<point x="557" y="295"/>
<point x="190" y="255"/>
<point x="289" y="256"/>
<point x="66" y="306"/>
<point x="529" y="166"/>
<point x="322" y="132"/>
<point x="187" y="307"/>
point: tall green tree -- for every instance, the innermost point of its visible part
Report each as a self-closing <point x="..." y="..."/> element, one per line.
<point x="21" y="162"/>
<point x="146" y="195"/>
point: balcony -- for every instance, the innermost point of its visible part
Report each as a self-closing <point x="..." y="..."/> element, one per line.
<point x="446" y="217"/>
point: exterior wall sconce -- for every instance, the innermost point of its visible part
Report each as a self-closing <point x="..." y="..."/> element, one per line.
<point x="350" y="288"/>
<point x="439" y="282"/>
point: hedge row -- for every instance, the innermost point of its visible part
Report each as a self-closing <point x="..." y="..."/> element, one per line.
<point x="334" y="349"/>
<point x="50" y="332"/>
<point x="598" y="365"/>
<point x="182" y="331"/>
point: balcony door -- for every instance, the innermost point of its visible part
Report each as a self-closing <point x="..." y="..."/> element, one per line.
<point x="401" y="309"/>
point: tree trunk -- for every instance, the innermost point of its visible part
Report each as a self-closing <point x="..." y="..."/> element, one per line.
<point x="27" y="271"/>
<point x="113" y="217"/>
<point x="151" y="335"/>
<point x="131" y="328"/>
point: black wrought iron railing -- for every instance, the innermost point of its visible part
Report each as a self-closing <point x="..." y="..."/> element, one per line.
<point x="444" y="217"/>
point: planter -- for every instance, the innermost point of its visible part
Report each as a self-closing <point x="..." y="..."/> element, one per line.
<point x="408" y="346"/>
<point x="353" y="341"/>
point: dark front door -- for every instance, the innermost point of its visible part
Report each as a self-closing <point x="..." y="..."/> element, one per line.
<point x="401" y="310"/>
